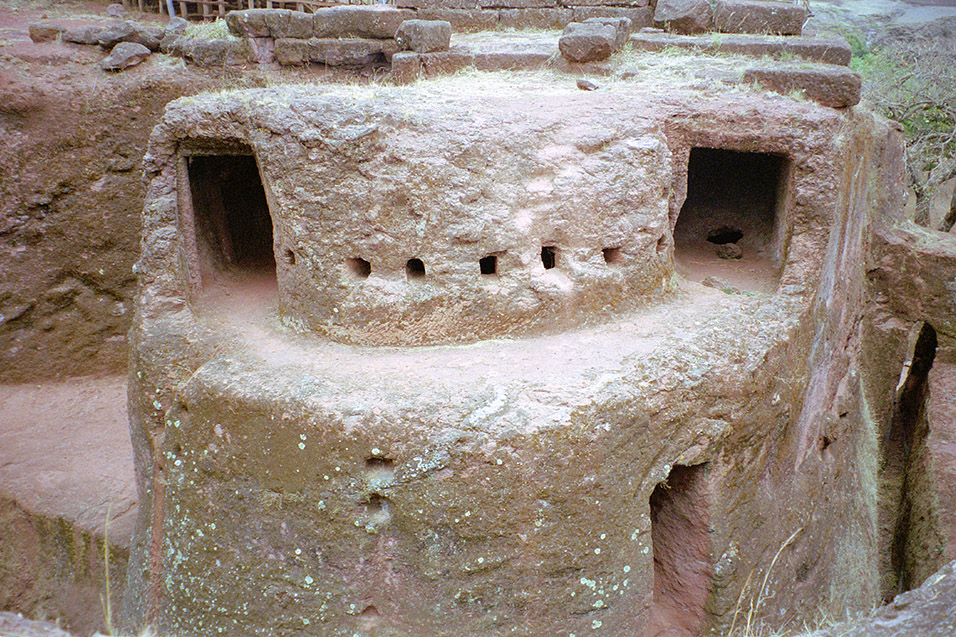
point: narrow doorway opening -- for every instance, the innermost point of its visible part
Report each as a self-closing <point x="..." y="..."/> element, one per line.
<point x="683" y="562"/>
<point x="231" y="215"/>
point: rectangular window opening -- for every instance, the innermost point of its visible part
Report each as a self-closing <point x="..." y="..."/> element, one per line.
<point x="549" y="257"/>
<point x="730" y="225"/>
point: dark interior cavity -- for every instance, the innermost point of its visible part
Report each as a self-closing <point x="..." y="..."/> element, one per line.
<point x="683" y="564"/>
<point x="732" y="197"/>
<point x="359" y="268"/>
<point x="910" y="538"/>
<point x="231" y="213"/>
<point x="488" y="265"/>
<point x="414" y="269"/>
<point x="549" y="257"/>
<point x="612" y="256"/>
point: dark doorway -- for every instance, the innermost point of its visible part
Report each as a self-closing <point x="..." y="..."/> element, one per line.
<point x="727" y="227"/>
<point x="233" y="224"/>
<point x="683" y="564"/>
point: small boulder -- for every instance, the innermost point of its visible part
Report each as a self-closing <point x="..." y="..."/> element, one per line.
<point x="149" y="37"/>
<point x="82" y="35"/>
<point x="116" y="11"/>
<point x="684" y="16"/>
<point x="729" y="251"/>
<point x="45" y="32"/>
<point x="587" y="41"/>
<point x="176" y="26"/>
<point x="124" y="55"/>
<point x="424" y="36"/>
<point x="622" y="27"/>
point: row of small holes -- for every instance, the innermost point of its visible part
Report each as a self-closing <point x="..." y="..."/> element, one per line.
<point x="415" y="268"/>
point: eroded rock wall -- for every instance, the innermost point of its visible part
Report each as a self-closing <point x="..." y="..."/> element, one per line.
<point x="294" y="485"/>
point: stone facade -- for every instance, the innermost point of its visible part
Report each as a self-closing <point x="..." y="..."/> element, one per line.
<point x="293" y="484"/>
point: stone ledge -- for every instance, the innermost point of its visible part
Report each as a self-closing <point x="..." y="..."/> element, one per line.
<point x="828" y="85"/>
<point x="826" y="50"/>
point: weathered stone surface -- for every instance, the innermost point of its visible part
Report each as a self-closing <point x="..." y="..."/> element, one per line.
<point x="252" y="22"/>
<point x="360" y="21"/>
<point x="621" y="25"/>
<point x="217" y="52"/>
<point x="116" y="11"/>
<point x="45" y="32"/>
<point x="524" y="474"/>
<point x="293" y="24"/>
<point x="350" y="52"/>
<point x="633" y="4"/>
<point x="124" y="55"/>
<point x="292" y="52"/>
<point x="518" y="4"/>
<point x="176" y="26"/>
<point x="829" y="85"/>
<point x="149" y="37"/>
<point x="684" y="16"/>
<point x="82" y="35"/>
<point x="262" y="50"/>
<point x="927" y="610"/>
<point x="511" y="61"/>
<point x="587" y="42"/>
<point x="424" y="36"/>
<point x="470" y="5"/>
<point x="462" y="20"/>
<point x="764" y="17"/>
<point x="66" y="486"/>
<point x="640" y="17"/>
<point x="535" y="18"/>
<point x="828" y="50"/>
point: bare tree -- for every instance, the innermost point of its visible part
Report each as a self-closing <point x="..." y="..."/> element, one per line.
<point x="912" y="79"/>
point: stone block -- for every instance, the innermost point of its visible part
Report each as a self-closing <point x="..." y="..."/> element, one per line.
<point x="45" y="32"/>
<point x="252" y="22"/>
<point x="587" y="42"/>
<point x="829" y="85"/>
<point x="640" y="17"/>
<point x="621" y="26"/>
<point x="463" y="20"/>
<point x="511" y="61"/>
<point x="535" y="18"/>
<point x="828" y="50"/>
<point x="747" y="16"/>
<point x="406" y="66"/>
<point x="219" y="52"/>
<point x="112" y="35"/>
<point x="290" y="24"/>
<point x="350" y="52"/>
<point x="632" y="4"/>
<point x="446" y="62"/>
<point x="424" y="36"/>
<point x="518" y="4"/>
<point x="684" y="16"/>
<point x="438" y="4"/>
<point x="291" y="52"/>
<point x="359" y="21"/>
<point x="82" y="35"/>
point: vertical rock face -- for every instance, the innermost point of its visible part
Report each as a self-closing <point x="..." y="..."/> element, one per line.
<point x="608" y="421"/>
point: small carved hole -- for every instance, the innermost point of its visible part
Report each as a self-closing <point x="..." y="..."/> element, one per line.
<point x="488" y="265"/>
<point x="359" y="268"/>
<point x="289" y="256"/>
<point x="549" y="257"/>
<point x="414" y="269"/>
<point x="613" y="256"/>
